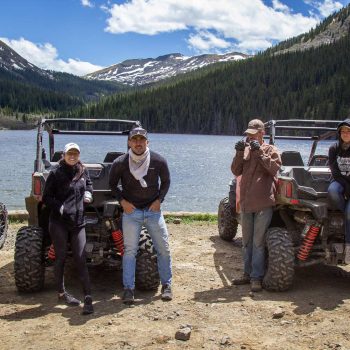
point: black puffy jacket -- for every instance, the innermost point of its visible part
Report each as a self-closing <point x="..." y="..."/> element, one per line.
<point x="60" y="189"/>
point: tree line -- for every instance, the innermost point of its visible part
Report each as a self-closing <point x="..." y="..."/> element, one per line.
<point x="312" y="84"/>
<point x="28" y="91"/>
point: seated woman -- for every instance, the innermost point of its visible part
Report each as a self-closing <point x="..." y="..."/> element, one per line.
<point x="339" y="189"/>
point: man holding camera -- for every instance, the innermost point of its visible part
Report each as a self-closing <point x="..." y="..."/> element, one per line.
<point x="257" y="163"/>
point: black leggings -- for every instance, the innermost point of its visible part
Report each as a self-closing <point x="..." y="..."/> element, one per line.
<point x="60" y="234"/>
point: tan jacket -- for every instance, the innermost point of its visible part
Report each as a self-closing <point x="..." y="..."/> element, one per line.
<point x="259" y="177"/>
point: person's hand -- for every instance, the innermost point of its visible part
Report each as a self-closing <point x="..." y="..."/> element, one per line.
<point x="61" y="209"/>
<point x="127" y="206"/>
<point x="254" y="145"/>
<point x="87" y="197"/>
<point x="240" y="145"/>
<point x="155" y="206"/>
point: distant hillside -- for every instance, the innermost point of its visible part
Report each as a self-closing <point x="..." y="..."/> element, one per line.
<point x="27" y="88"/>
<point x="313" y="82"/>
<point x="137" y="72"/>
<point x="332" y="29"/>
<point x="309" y="84"/>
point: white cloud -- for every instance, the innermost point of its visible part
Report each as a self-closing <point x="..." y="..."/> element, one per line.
<point x="205" y="41"/>
<point x="278" y="6"/>
<point x="87" y="3"/>
<point x="45" y="56"/>
<point x="251" y="45"/>
<point x="239" y="22"/>
<point x="325" y="7"/>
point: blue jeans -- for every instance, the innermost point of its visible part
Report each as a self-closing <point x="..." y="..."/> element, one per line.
<point x="336" y="196"/>
<point x="155" y="224"/>
<point x="254" y="226"/>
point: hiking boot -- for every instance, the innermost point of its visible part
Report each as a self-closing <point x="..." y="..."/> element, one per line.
<point x="347" y="254"/>
<point x="245" y="279"/>
<point x="68" y="299"/>
<point x="128" y="296"/>
<point x="88" y="308"/>
<point x="255" y="286"/>
<point x="166" y="292"/>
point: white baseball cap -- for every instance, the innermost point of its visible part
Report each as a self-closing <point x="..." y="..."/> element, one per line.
<point x="70" y="146"/>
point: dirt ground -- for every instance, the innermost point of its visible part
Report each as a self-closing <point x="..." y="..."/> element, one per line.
<point x="315" y="314"/>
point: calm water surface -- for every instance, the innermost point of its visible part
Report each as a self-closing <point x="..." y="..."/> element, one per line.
<point x="199" y="164"/>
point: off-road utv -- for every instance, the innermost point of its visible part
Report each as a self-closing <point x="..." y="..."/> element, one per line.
<point x="305" y="228"/>
<point x="3" y="224"/>
<point x="33" y="248"/>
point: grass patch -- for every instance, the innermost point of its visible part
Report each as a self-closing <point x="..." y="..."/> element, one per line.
<point x="17" y="221"/>
<point x="193" y="218"/>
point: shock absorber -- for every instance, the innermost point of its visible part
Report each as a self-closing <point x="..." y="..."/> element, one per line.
<point x="308" y="242"/>
<point x="118" y="241"/>
<point x="117" y="236"/>
<point x="51" y="253"/>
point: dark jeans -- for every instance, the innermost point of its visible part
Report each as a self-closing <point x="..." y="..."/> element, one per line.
<point x="60" y="234"/>
<point x="336" y="196"/>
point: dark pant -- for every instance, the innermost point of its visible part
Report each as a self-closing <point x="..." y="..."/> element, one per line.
<point x="60" y="234"/>
<point x="336" y="196"/>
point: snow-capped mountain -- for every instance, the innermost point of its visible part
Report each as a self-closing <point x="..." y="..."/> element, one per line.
<point x="150" y="70"/>
<point x="11" y="61"/>
<point x="19" y="77"/>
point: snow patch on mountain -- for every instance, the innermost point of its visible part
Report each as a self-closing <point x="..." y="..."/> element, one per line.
<point x="145" y="71"/>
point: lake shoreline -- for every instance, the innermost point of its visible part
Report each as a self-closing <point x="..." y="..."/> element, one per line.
<point x="22" y="215"/>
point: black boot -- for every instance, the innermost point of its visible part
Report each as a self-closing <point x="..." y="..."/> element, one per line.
<point x="88" y="308"/>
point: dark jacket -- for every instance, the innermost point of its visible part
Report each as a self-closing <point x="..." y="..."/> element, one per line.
<point x="259" y="177"/>
<point x="157" y="178"/>
<point x="339" y="160"/>
<point x="60" y="189"/>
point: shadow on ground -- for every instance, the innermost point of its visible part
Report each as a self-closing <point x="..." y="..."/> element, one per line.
<point x="106" y="289"/>
<point x="319" y="286"/>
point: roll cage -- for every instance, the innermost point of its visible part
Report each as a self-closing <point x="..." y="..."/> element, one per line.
<point x="75" y="126"/>
<point x="299" y="129"/>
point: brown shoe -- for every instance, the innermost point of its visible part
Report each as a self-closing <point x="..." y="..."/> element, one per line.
<point x="255" y="286"/>
<point x="244" y="279"/>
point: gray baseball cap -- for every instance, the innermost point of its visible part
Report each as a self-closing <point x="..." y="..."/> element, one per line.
<point x="138" y="132"/>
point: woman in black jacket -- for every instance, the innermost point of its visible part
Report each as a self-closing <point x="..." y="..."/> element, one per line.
<point x="67" y="188"/>
<point x="339" y="189"/>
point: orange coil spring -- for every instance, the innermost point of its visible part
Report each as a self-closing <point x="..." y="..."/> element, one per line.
<point x="51" y="253"/>
<point x="118" y="241"/>
<point x="308" y="242"/>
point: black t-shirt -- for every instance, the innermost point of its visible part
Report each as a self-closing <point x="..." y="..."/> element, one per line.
<point x="157" y="179"/>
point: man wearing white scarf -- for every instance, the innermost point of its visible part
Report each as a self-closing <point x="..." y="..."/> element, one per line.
<point x="138" y="165"/>
<point x="145" y="180"/>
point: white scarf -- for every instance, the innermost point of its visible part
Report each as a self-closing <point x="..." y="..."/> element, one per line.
<point x="139" y="164"/>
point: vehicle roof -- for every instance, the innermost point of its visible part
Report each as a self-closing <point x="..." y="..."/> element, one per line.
<point x="77" y="126"/>
<point x="301" y="129"/>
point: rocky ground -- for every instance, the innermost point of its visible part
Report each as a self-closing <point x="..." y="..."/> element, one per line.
<point x="313" y="315"/>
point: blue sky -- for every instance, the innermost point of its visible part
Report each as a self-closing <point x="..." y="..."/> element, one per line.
<point x="82" y="36"/>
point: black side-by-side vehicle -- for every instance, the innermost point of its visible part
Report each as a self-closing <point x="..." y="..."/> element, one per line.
<point x="305" y="229"/>
<point x="3" y="224"/>
<point x="33" y="249"/>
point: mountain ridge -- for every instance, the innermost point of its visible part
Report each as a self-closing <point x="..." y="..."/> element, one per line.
<point x="138" y="72"/>
<point x="330" y="30"/>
